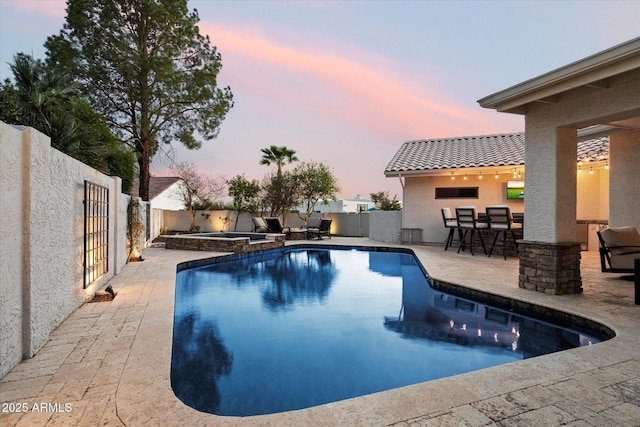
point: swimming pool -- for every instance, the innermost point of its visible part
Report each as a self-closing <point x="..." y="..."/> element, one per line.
<point x="298" y="327"/>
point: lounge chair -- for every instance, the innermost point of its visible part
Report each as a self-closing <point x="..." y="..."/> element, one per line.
<point x="313" y="222"/>
<point x="451" y="223"/>
<point x="324" y="229"/>
<point x="275" y="226"/>
<point x="619" y="247"/>
<point x="259" y="225"/>
<point x="468" y="221"/>
<point x="501" y="220"/>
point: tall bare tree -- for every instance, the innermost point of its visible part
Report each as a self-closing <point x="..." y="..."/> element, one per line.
<point x="197" y="188"/>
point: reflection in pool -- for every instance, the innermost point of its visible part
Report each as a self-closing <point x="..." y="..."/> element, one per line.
<point x="289" y="329"/>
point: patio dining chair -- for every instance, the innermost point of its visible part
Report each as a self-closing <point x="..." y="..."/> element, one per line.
<point x="451" y="223"/>
<point x="468" y="222"/>
<point x="501" y="221"/>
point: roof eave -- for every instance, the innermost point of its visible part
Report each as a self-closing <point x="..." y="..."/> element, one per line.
<point x="608" y="63"/>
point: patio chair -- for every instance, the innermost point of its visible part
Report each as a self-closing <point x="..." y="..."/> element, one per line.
<point x="500" y="219"/>
<point x="313" y="222"/>
<point x="468" y="222"/>
<point x="451" y="223"/>
<point x="619" y="247"/>
<point x="259" y="225"/>
<point x="324" y="229"/>
<point x="275" y="226"/>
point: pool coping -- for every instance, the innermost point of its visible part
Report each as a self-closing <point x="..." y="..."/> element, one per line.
<point x="144" y="394"/>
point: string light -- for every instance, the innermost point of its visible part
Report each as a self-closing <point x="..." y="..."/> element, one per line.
<point x="591" y="171"/>
<point x="465" y="176"/>
<point x="452" y="176"/>
<point x="480" y="176"/>
<point x="496" y="174"/>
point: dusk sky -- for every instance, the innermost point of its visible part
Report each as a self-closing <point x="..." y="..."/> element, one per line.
<point x="346" y="83"/>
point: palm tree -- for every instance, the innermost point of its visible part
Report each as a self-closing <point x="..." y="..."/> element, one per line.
<point x="49" y="102"/>
<point x="278" y="156"/>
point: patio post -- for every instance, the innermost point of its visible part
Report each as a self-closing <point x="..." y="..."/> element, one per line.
<point x="549" y="253"/>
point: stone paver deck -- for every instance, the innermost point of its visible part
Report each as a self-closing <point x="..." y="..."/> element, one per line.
<point x="108" y="363"/>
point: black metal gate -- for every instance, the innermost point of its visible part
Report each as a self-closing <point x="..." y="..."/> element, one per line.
<point x="96" y="232"/>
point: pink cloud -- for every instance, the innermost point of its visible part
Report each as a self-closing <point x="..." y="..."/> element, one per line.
<point x="54" y="8"/>
<point x="360" y="87"/>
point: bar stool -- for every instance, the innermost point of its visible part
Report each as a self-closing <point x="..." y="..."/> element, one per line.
<point x="451" y="223"/>
<point x="501" y="221"/>
<point x="468" y="221"/>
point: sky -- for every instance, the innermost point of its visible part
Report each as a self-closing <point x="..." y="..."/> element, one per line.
<point x="347" y="82"/>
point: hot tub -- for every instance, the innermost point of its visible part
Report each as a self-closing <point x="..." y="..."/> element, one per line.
<point x="236" y="242"/>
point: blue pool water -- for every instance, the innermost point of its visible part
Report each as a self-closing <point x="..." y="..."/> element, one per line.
<point x="293" y="328"/>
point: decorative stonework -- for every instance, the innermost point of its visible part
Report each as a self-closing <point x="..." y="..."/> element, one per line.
<point x="237" y="245"/>
<point x="551" y="268"/>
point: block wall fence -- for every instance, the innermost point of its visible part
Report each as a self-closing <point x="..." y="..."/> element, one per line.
<point x="383" y="226"/>
<point x="42" y="239"/>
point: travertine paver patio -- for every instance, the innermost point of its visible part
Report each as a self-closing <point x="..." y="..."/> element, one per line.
<point x="108" y="363"/>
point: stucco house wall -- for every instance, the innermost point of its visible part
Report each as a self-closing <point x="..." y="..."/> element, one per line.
<point x="170" y="199"/>
<point x="41" y="239"/>
<point x="624" y="203"/>
<point x="422" y="210"/>
<point x="592" y="194"/>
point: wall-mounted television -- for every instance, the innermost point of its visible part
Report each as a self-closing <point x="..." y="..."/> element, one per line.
<point x="515" y="190"/>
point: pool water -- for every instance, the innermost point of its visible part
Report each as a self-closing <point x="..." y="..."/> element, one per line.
<point x="294" y="328"/>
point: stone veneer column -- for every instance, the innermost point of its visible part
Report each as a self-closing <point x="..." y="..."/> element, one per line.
<point x="551" y="268"/>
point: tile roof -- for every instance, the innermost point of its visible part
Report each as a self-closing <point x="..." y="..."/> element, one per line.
<point x="157" y="184"/>
<point x="471" y="152"/>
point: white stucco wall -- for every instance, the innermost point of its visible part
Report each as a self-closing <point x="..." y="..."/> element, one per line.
<point x="344" y="224"/>
<point x="422" y="209"/>
<point x="624" y="203"/>
<point x="385" y="226"/>
<point x="11" y="248"/>
<point x="170" y="199"/>
<point x="42" y="211"/>
<point x="208" y="221"/>
<point x="592" y="195"/>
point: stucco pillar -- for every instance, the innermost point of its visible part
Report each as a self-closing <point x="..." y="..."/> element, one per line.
<point x="549" y="253"/>
<point x="550" y="184"/>
<point x="624" y="179"/>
